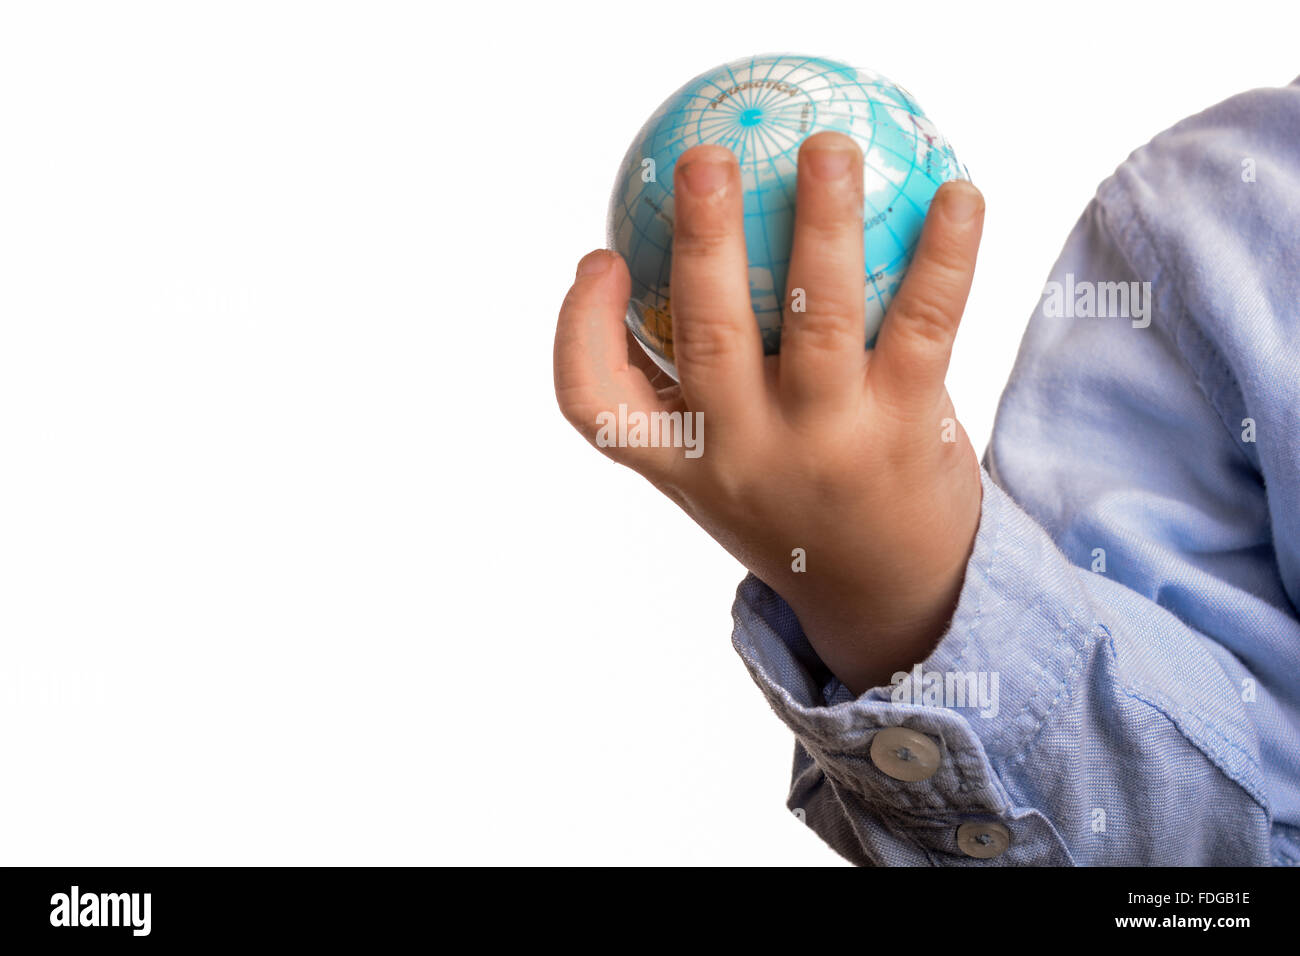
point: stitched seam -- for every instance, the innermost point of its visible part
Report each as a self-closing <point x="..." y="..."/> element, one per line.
<point x="1149" y="696"/>
<point x="964" y="785"/>
<point x="1063" y="682"/>
<point x="1076" y="620"/>
<point x="1136" y="234"/>
<point x="1037" y="731"/>
<point x="1168" y="710"/>
<point x="1204" y="750"/>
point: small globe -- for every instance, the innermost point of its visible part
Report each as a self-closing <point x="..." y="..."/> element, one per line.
<point x="762" y="108"/>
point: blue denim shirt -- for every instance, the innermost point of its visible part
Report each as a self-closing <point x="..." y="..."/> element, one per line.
<point x="1136" y="573"/>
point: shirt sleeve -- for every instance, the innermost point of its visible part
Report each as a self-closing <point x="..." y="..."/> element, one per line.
<point x="1120" y="612"/>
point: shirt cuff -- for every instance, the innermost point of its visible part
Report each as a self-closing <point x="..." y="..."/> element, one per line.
<point x="1019" y="633"/>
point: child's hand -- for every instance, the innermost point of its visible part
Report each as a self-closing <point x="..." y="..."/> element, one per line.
<point x="826" y="447"/>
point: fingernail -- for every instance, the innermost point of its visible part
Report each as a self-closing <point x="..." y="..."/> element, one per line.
<point x="962" y="202"/>
<point x="829" y="163"/>
<point x="593" y="262"/>
<point x="704" y="177"/>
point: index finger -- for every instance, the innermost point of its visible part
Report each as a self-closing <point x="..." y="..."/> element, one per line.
<point x="716" y="342"/>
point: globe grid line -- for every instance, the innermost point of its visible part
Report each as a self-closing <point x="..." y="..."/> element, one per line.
<point x="753" y="107"/>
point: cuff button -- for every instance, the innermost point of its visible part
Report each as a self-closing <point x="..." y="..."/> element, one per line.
<point x="904" y="754"/>
<point x="983" y="840"/>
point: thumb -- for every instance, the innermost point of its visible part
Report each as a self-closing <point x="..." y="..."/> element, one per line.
<point x="592" y="374"/>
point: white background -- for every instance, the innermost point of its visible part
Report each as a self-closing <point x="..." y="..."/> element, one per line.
<point x="299" y="563"/>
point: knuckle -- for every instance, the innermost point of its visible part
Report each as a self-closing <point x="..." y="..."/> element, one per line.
<point x="944" y="260"/>
<point x="927" y="318"/>
<point x="703" y="339"/>
<point x="950" y="262"/>
<point x="702" y="241"/>
<point x="828" y="329"/>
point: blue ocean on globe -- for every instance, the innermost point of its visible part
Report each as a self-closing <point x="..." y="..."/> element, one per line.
<point x="762" y="108"/>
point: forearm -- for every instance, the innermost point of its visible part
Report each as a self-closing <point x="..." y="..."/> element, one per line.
<point x="1073" y="718"/>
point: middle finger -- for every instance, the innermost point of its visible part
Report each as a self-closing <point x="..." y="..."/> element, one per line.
<point x="823" y="334"/>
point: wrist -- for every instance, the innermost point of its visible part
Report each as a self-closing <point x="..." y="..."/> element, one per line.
<point x="886" y="620"/>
